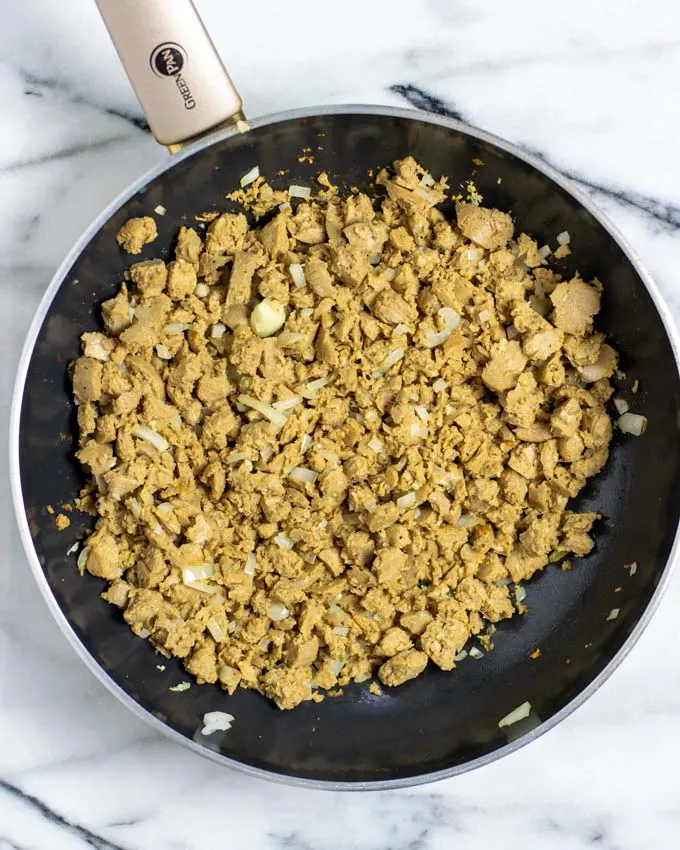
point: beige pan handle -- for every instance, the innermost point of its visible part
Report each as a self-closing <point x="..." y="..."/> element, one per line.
<point x="179" y="79"/>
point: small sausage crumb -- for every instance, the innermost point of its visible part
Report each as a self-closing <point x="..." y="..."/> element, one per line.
<point x="136" y="233"/>
<point x="62" y="522"/>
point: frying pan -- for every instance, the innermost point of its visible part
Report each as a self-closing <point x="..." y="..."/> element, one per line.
<point x="439" y="724"/>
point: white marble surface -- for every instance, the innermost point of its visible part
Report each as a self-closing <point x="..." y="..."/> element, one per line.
<point x="593" y="87"/>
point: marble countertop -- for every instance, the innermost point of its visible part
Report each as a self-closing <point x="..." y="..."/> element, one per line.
<point x="592" y="87"/>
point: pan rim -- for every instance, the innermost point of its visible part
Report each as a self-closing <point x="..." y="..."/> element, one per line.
<point x="15" y="467"/>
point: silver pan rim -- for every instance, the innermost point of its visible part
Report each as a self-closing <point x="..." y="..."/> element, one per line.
<point x="15" y="470"/>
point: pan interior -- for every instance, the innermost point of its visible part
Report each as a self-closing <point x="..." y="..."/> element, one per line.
<point x="440" y="720"/>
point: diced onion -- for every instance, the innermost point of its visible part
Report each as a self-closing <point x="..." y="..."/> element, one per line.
<point x="215" y="629"/>
<point x="467" y="521"/>
<point x="303" y="475"/>
<point x="152" y="437"/>
<point x="632" y="423"/>
<point x="201" y="586"/>
<point x="285" y="206"/>
<point x="336" y="667"/>
<point x="632" y="568"/>
<point x="427" y="180"/>
<point x="520" y="593"/>
<point x="475" y="653"/>
<point x="267" y="317"/>
<point x="305" y="443"/>
<point x="621" y="405"/>
<point x="399" y="330"/>
<point x="484" y="315"/>
<point x="613" y="614"/>
<point x="563" y="238"/>
<point x="298" y="275"/>
<point x="163" y="352"/>
<point x="544" y="251"/>
<point x="374" y="259"/>
<point x="289" y="338"/>
<point x="330" y="456"/>
<point x="183" y="686"/>
<point x="390" y="274"/>
<point x="520" y="713"/>
<point x="249" y="568"/>
<point x="295" y="191"/>
<point x="283" y="541"/>
<point x="375" y="445"/>
<point x="311" y="557"/>
<point x="218" y="330"/>
<point x="198" y="572"/>
<point x="73" y="549"/>
<point x="440" y="385"/>
<point x="462" y="655"/>
<point x="435" y="338"/>
<point x="82" y="559"/>
<point x="202" y="289"/>
<point x="450" y="317"/>
<point x="422" y="412"/>
<point x="176" y="328"/>
<point x="266" y="453"/>
<point x="242" y="126"/>
<point x="163" y="508"/>
<point x="287" y="403"/>
<point x="250" y="176"/>
<point x="216" y="721"/>
<point x="277" y="611"/>
<point x="310" y="389"/>
<point x="160" y="210"/>
<point x="275" y="417"/>
<point x="343" y="631"/>
<point x="406" y="501"/>
<point x="392" y="358"/>
<point x="418" y="429"/>
<point x="236" y="457"/>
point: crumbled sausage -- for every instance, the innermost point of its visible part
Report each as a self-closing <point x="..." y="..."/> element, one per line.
<point x="350" y="495"/>
<point x="136" y="233"/>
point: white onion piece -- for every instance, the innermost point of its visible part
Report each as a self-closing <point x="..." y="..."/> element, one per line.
<point x="289" y="338"/>
<point x="283" y="541"/>
<point x="427" y="180"/>
<point x="374" y="259"/>
<point x="275" y="417"/>
<point x="632" y="568"/>
<point x="520" y="593"/>
<point x="277" y="611"/>
<point x="82" y="559"/>
<point x="249" y="568"/>
<point x="613" y="614"/>
<point x="461" y="655"/>
<point x="305" y="443"/>
<point x="73" y="549"/>
<point x="303" y="475"/>
<point x="298" y="275"/>
<point x="215" y="629"/>
<point x="176" y="328"/>
<point x="392" y="358"/>
<point x="202" y="289"/>
<point x="621" y="406"/>
<point x="544" y="251"/>
<point x="310" y="389"/>
<point x="435" y="338"/>
<point x="390" y="274"/>
<point x="218" y="330"/>
<point x="250" y="176"/>
<point x="163" y="508"/>
<point x="450" y="317"/>
<point x="287" y="403"/>
<point x="267" y="317"/>
<point x="336" y="667"/>
<point x="160" y="210"/>
<point x="519" y="713"/>
<point x="311" y="557"/>
<point x="295" y="191"/>
<point x="422" y="412"/>
<point x="633" y="423"/>
<point x="375" y="445"/>
<point x="563" y="238"/>
<point x="150" y="436"/>
<point x="467" y="521"/>
<point x="216" y="721"/>
<point x="285" y="206"/>
<point x="163" y="352"/>
<point x="399" y="330"/>
<point x="475" y="653"/>
<point x="418" y="429"/>
<point x="266" y="453"/>
<point x="343" y="631"/>
<point x="236" y="457"/>
<point x="198" y="572"/>
<point x="406" y="501"/>
<point x="440" y="385"/>
<point x="201" y="586"/>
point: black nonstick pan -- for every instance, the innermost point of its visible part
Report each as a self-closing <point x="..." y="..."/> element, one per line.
<point x="439" y="724"/>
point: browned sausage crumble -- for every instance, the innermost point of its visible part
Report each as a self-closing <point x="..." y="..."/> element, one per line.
<point x="331" y="446"/>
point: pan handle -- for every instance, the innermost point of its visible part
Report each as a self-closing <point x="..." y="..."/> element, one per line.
<point x="174" y="68"/>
